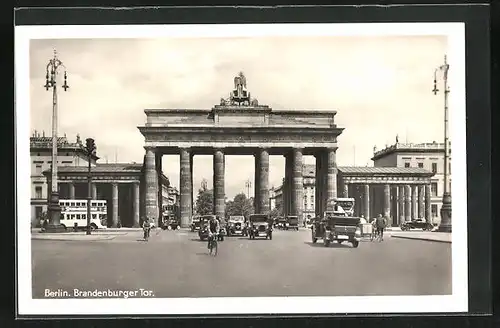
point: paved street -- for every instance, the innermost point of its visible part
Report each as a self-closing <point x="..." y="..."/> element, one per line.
<point x="177" y="264"/>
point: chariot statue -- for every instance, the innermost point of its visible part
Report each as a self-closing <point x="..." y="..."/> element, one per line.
<point x="239" y="96"/>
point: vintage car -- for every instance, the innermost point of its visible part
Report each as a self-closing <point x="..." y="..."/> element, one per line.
<point x="170" y="223"/>
<point x="280" y="222"/>
<point x="260" y="225"/>
<point x="196" y="223"/>
<point x="236" y="226"/>
<point x="292" y="223"/>
<point x="203" y="231"/>
<point x="340" y="228"/>
<point x="416" y="224"/>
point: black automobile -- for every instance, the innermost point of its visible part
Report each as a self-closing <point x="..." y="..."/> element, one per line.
<point x="280" y="222"/>
<point x="196" y="223"/>
<point x="260" y="226"/>
<point x="292" y="223"/>
<point x="416" y="224"/>
<point x="170" y="223"/>
<point x="203" y="231"/>
<point x="236" y="226"/>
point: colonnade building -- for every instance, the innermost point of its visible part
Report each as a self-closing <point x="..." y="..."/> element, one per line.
<point x="405" y="183"/>
<point x="122" y="185"/>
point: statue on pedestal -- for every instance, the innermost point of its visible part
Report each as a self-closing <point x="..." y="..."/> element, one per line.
<point x="239" y="96"/>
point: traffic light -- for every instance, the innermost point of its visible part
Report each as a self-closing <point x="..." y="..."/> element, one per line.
<point x="90" y="146"/>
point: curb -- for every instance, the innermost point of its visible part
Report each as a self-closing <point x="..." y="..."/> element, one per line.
<point x="69" y="239"/>
<point x="424" y="239"/>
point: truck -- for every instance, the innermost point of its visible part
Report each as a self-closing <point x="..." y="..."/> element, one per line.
<point x="337" y="223"/>
<point x="340" y="228"/>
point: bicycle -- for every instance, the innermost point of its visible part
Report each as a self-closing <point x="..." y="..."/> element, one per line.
<point x="213" y="245"/>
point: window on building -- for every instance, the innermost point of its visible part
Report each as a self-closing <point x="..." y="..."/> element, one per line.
<point x="38" y="169"/>
<point x="38" y="212"/>
<point x="434" y="168"/>
<point x="434" y="210"/>
<point x="421" y="165"/>
<point x="449" y="168"/>
<point x="407" y="164"/>
<point x="312" y="199"/>
<point x="434" y="189"/>
<point x="38" y="192"/>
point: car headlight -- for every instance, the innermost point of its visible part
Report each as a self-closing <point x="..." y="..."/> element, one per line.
<point x="358" y="231"/>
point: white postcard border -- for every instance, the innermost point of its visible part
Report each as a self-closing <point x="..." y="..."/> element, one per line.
<point x="457" y="302"/>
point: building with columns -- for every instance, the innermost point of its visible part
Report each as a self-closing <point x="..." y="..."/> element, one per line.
<point x="428" y="156"/>
<point x="120" y="184"/>
<point x="402" y="194"/>
<point x="69" y="154"/>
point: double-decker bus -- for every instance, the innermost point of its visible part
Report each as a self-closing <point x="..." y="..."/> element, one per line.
<point x="74" y="213"/>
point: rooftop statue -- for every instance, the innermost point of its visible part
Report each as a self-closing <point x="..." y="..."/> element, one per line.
<point x="239" y="96"/>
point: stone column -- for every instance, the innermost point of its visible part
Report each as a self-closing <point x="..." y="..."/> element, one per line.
<point x="94" y="190"/>
<point x="366" y="201"/>
<point x="317" y="186"/>
<point x="298" y="185"/>
<point x="395" y="205"/>
<point x="151" y="183"/>
<point x="256" y="182"/>
<point x="219" y="192"/>
<point x="346" y="190"/>
<point x="263" y="199"/>
<point x="158" y="166"/>
<point x="428" y="211"/>
<point x="71" y="189"/>
<point x="387" y="204"/>
<point x="421" y="203"/>
<point x="191" y="158"/>
<point x="136" y="196"/>
<point x="185" y="187"/>
<point x="288" y="184"/>
<point x="115" y="204"/>
<point x="407" y="203"/>
<point x="401" y="200"/>
<point x="331" y="188"/>
<point x="324" y="181"/>
<point x="414" y="207"/>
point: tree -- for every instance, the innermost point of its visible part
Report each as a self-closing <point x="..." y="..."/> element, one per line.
<point x="205" y="200"/>
<point x="240" y="205"/>
<point x="275" y="212"/>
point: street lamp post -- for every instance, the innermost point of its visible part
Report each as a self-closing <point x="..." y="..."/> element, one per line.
<point x="445" y="225"/>
<point x="54" y="209"/>
<point x="248" y="185"/>
<point x="90" y="149"/>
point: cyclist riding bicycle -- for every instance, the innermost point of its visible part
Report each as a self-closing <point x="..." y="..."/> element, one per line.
<point x="213" y="229"/>
<point x="146" y="226"/>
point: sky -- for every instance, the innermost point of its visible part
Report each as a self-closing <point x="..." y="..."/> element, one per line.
<point x="379" y="86"/>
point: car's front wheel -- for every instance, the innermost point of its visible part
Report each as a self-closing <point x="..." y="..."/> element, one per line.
<point x="355" y="244"/>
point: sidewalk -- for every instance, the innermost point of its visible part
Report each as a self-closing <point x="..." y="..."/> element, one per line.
<point x="72" y="236"/>
<point x="440" y="237"/>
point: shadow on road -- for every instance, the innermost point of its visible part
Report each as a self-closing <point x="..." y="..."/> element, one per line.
<point x="143" y="240"/>
<point x="332" y="245"/>
<point x="205" y="254"/>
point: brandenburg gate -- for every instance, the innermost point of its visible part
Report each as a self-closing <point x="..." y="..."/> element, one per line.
<point x="239" y="125"/>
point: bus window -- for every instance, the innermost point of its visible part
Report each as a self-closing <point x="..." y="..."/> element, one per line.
<point x="94" y="216"/>
<point x="78" y="216"/>
<point x="84" y="216"/>
<point x="72" y="216"/>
